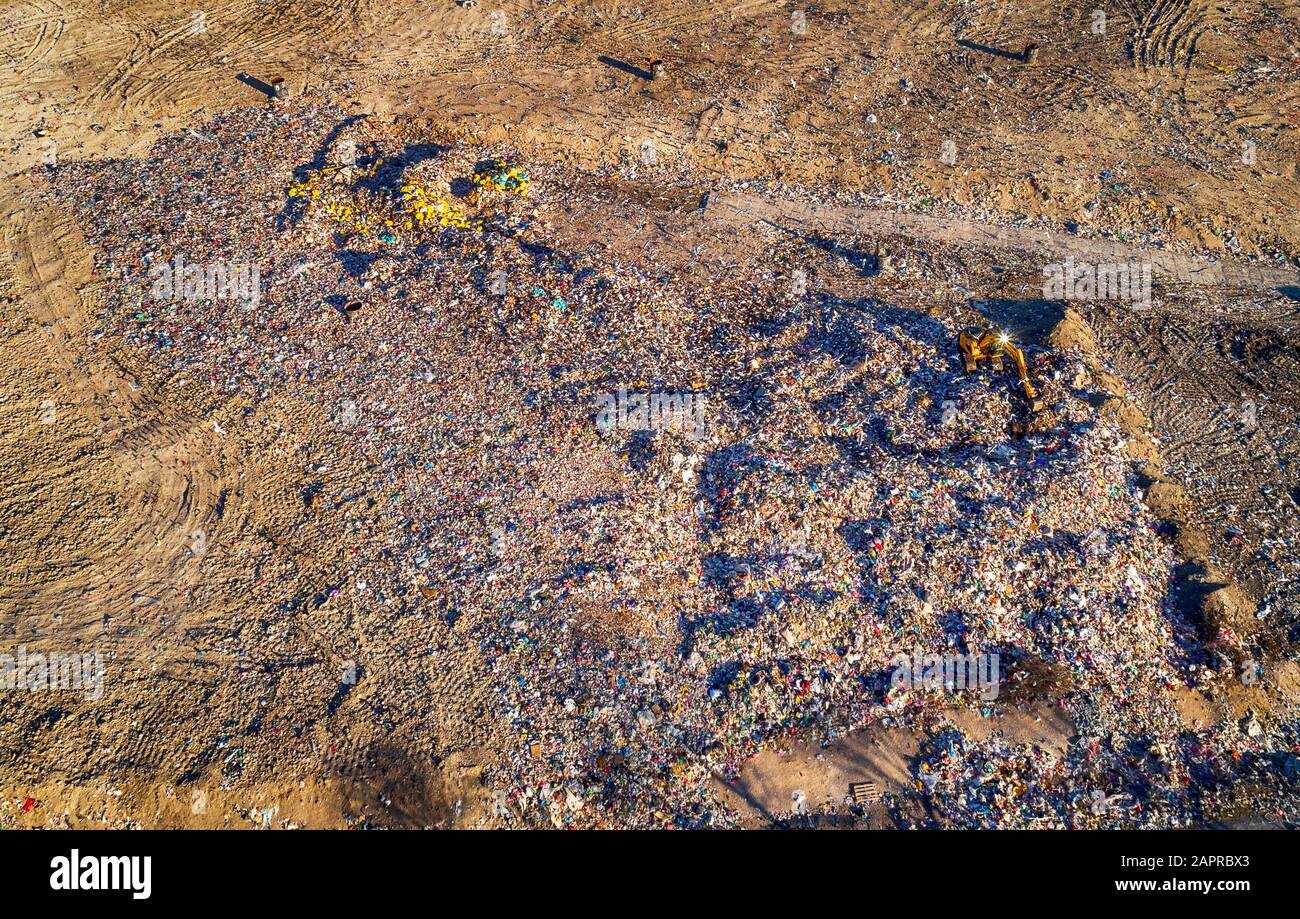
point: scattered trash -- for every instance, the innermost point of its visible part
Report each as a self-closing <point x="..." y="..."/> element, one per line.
<point x="646" y="611"/>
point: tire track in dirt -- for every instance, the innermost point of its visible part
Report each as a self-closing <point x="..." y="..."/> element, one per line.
<point x="1059" y="83"/>
<point x="119" y="535"/>
<point x="32" y="29"/>
<point x="1167" y="266"/>
<point x="1165" y="33"/>
<point x="1165" y="43"/>
<point x="635" y="31"/>
<point x="174" y="59"/>
<point x="167" y="475"/>
<point x="1222" y="394"/>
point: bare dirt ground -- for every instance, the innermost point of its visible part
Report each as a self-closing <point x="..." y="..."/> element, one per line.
<point x="1175" y="127"/>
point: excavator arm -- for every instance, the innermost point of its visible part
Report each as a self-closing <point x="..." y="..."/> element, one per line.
<point x="1018" y="358"/>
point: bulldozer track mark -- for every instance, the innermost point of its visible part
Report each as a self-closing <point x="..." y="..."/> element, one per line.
<point x="1197" y="403"/>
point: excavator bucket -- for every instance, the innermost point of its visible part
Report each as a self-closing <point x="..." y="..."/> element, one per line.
<point x="968" y="347"/>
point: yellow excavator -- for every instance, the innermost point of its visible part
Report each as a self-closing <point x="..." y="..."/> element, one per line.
<point x="992" y="346"/>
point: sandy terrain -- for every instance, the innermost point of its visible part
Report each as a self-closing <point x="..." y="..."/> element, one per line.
<point x="150" y="517"/>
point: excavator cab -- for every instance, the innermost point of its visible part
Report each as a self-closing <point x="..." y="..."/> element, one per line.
<point x="992" y="346"/>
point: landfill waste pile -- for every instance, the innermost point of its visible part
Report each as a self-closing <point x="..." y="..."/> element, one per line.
<point x="658" y="594"/>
